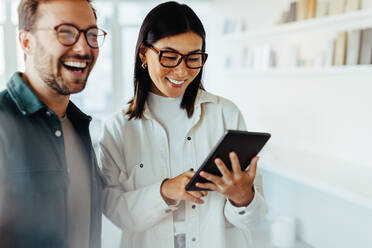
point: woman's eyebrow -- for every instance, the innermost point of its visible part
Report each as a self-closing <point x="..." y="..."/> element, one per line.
<point x="172" y="49"/>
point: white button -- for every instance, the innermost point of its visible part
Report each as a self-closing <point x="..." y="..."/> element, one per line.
<point x="58" y="133"/>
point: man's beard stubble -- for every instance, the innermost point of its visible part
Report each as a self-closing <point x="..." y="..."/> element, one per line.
<point x="43" y="65"/>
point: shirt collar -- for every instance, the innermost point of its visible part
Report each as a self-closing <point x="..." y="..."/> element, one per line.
<point x="28" y="103"/>
<point x="22" y="95"/>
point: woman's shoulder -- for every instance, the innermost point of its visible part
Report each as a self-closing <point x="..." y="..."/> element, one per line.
<point x="118" y="120"/>
<point x="217" y="100"/>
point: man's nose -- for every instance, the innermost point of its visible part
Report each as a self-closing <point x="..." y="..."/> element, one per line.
<point x="81" y="46"/>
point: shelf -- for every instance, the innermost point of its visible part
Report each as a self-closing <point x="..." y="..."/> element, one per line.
<point x="335" y="71"/>
<point x="348" y="21"/>
<point x="345" y="180"/>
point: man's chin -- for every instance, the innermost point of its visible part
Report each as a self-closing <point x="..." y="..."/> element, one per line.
<point x="76" y="88"/>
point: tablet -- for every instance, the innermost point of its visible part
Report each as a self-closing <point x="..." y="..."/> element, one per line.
<point x="246" y="145"/>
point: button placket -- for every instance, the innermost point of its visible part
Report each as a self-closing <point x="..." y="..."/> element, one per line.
<point x="192" y="233"/>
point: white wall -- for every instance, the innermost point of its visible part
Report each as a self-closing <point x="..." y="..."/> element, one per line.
<point x="328" y="117"/>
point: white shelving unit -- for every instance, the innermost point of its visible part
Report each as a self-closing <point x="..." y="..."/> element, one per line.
<point x="299" y="32"/>
<point x="318" y="160"/>
<point x="353" y="20"/>
<point x="357" y="71"/>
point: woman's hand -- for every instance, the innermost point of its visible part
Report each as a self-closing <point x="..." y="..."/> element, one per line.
<point x="173" y="189"/>
<point x="236" y="185"/>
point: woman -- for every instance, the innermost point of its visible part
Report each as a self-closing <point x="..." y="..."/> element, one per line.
<point x="169" y="127"/>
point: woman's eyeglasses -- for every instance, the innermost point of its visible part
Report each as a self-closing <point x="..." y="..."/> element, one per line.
<point x="171" y="59"/>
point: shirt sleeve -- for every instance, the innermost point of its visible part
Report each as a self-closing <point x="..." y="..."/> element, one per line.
<point x="135" y="210"/>
<point x="247" y="217"/>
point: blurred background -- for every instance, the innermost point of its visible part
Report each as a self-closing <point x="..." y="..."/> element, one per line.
<point x="301" y="70"/>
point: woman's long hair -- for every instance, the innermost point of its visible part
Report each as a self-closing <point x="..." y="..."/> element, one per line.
<point x="166" y="19"/>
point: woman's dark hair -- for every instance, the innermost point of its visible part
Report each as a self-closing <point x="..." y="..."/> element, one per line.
<point x="166" y="19"/>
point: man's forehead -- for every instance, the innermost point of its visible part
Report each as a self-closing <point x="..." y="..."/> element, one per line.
<point x="77" y="12"/>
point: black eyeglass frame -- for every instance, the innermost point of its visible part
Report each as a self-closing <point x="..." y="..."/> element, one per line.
<point x="85" y="31"/>
<point x="160" y="53"/>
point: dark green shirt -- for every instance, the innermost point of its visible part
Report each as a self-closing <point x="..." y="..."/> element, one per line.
<point x="34" y="179"/>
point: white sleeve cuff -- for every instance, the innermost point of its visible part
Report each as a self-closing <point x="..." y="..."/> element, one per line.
<point x="245" y="210"/>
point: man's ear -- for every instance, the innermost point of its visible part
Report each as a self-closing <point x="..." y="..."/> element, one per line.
<point x="24" y="38"/>
<point x="142" y="52"/>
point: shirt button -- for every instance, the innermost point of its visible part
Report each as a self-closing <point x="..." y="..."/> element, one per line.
<point x="168" y="211"/>
<point x="193" y="239"/>
<point x="241" y="212"/>
<point x="189" y="138"/>
<point x="141" y="165"/>
<point x="58" y="133"/>
<point x="193" y="206"/>
<point x="48" y="113"/>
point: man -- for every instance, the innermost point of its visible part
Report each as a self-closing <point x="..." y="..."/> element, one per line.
<point x="50" y="186"/>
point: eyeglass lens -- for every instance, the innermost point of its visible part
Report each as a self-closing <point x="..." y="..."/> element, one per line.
<point x="68" y="35"/>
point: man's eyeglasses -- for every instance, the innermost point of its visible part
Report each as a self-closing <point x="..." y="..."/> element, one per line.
<point x="171" y="59"/>
<point x="68" y="35"/>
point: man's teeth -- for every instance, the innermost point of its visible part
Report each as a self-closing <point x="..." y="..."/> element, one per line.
<point x="80" y="65"/>
<point x="175" y="82"/>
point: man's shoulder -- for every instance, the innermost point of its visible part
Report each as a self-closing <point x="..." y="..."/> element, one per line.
<point x="7" y="106"/>
<point x="4" y="100"/>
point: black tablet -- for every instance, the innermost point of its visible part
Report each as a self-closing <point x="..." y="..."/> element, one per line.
<point x="246" y="145"/>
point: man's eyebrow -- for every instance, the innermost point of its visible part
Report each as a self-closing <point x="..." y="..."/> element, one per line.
<point x="74" y="24"/>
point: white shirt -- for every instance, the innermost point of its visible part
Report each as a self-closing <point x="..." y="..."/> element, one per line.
<point x="79" y="188"/>
<point x="168" y="113"/>
<point x="135" y="160"/>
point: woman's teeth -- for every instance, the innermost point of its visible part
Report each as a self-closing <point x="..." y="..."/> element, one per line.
<point x="175" y="81"/>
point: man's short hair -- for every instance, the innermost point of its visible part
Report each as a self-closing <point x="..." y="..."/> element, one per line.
<point x="27" y="13"/>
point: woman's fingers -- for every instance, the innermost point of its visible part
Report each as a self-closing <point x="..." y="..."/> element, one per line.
<point x="235" y="164"/>
<point x="197" y="194"/>
<point x="222" y="168"/>
<point x="214" y="179"/>
<point x="210" y="186"/>
<point x="253" y="167"/>
<point x="190" y="197"/>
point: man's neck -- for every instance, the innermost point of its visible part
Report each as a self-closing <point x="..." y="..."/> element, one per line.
<point x="55" y="102"/>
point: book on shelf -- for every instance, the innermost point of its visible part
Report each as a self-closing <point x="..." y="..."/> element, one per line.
<point x="352" y="5"/>
<point x="340" y="49"/>
<point x="284" y="17"/>
<point x="353" y="46"/>
<point x="321" y="8"/>
<point x="328" y="57"/>
<point x="301" y="10"/>
<point x="310" y="8"/>
<point x="365" y="55"/>
<point x="305" y="9"/>
<point x="336" y="7"/>
<point x="292" y="12"/>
